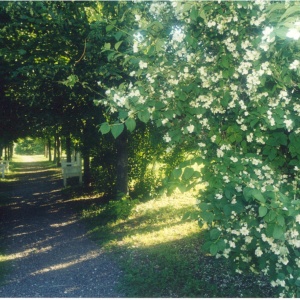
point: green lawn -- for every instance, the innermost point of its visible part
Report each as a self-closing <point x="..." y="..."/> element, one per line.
<point x="160" y="254"/>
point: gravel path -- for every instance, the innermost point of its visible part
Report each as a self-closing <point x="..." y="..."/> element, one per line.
<point x="50" y="254"/>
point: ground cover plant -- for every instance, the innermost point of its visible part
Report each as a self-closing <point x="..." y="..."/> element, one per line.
<point x="160" y="253"/>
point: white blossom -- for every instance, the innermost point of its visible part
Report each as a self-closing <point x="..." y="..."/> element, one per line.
<point x="190" y="128"/>
<point x="293" y="33"/>
<point x="258" y="252"/>
<point x="294" y="65"/>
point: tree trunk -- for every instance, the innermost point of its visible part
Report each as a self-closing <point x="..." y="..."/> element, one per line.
<point x="5" y="153"/>
<point x="54" y="149"/>
<point x="49" y="149"/>
<point x="68" y="148"/>
<point x="11" y="150"/>
<point x="58" y="151"/>
<point x="85" y="150"/>
<point x="122" y="165"/>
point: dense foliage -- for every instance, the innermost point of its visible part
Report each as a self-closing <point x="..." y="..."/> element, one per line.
<point x="215" y="82"/>
<point x="222" y="78"/>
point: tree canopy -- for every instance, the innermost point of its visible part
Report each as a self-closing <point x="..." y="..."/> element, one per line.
<point x="218" y="80"/>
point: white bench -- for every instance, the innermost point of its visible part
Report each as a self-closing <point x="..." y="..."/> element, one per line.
<point x="2" y="169"/>
<point x="71" y="169"/>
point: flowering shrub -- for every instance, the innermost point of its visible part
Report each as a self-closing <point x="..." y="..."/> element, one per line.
<point x="223" y="77"/>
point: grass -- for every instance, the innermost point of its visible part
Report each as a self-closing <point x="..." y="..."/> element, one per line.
<point x="160" y="254"/>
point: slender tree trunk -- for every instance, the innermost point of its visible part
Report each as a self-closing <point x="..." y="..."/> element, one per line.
<point x="68" y="148"/>
<point x="49" y="149"/>
<point x="54" y="149"/>
<point x="58" y="151"/>
<point x="11" y="150"/>
<point x="8" y="152"/>
<point x="122" y="165"/>
<point x="86" y="138"/>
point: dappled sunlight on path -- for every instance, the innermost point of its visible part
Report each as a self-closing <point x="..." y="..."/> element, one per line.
<point x="47" y="247"/>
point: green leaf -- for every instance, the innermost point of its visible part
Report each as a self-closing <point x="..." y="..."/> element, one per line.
<point x="205" y="247"/>
<point x="207" y="216"/>
<point x="194" y="14"/>
<point x="182" y="188"/>
<point x="118" y="44"/>
<point x="262" y="211"/>
<point x="107" y="46"/>
<point x="247" y="193"/>
<point x="187" y="6"/>
<point x="109" y="27"/>
<point x="278" y="232"/>
<point x="188" y="173"/>
<point x="227" y="210"/>
<point x="214" y="234"/>
<point x="176" y="173"/>
<point x="144" y="116"/>
<point x="105" y="128"/>
<point x="258" y="195"/>
<point x="118" y="35"/>
<point x="22" y="51"/>
<point x="270" y="216"/>
<point x="221" y="245"/>
<point x="130" y="124"/>
<point x="159" y="45"/>
<point x="117" y="129"/>
<point x="290" y="11"/>
<point x="213" y="249"/>
<point x="280" y="220"/>
<point x="297" y="282"/>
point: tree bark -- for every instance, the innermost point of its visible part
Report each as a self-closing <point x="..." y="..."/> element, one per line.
<point x="58" y="151"/>
<point x="68" y="148"/>
<point x="54" y="149"/>
<point x="49" y="149"/>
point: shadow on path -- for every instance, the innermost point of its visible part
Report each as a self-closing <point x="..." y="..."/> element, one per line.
<point x="49" y="251"/>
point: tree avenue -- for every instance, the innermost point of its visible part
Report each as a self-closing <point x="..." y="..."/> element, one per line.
<point x="218" y="81"/>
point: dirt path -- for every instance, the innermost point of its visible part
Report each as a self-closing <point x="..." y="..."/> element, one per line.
<point x="49" y="251"/>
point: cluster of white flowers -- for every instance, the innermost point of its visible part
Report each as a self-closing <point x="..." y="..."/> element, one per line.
<point x="289" y="124"/>
<point x="143" y="65"/>
<point x="294" y="33"/>
<point x="267" y="38"/>
<point x="135" y="47"/>
<point x="158" y="8"/>
<point x="294" y="65"/>
<point x="258" y="20"/>
<point x="190" y="128"/>
<point x="167" y="138"/>
<point x="178" y="36"/>
<point x="206" y="118"/>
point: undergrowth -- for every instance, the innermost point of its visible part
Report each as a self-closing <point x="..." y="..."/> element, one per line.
<point x="160" y="252"/>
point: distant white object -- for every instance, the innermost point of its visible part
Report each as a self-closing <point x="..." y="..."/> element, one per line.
<point x="71" y="169"/>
